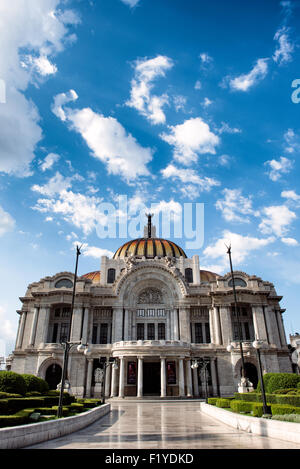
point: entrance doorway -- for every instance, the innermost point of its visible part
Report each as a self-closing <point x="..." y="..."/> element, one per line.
<point x="151" y="379"/>
<point x="53" y="375"/>
<point x="251" y="374"/>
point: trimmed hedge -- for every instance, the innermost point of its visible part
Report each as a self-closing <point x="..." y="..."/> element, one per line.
<point x="285" y="391"/>
<point x="76" y="407"/>
<point x="257" y="409"/>
<point x="248" y="396"/>
<point x="212" y="400"/>
<point x="17" y="404"/>
<point x="241" y="406"/>
<point x="6" y="395"/>
<point x="294" y="418"/>
<point x="65" y="410"/>
<point x="274" y="381"/>
<point x="223" y="403"/>
<point x="34" y="383"/>
<point x="12" y="383"/>
<point x="279" y="409"/>
<point x="20" y="418"/>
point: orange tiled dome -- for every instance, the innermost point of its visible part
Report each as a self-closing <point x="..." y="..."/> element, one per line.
<point x="94" y="276"/>
<point x="149" y="248"/>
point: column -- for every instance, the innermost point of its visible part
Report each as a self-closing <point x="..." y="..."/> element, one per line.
<point x="217" y="328"/>
<point x="126" y="325"/>
<point x="76" y="324"/>
<point x="122" y="377"/>
<point x="189" y="390"/>
<point x="140" y="377"/>
<point x="163" y="382"/>
<point x="90" y="326"/>
<point x="168" y="335"/>
<point x="212" y="326"/>
<point x="281" y="328"/>
<point x="85" y="326"/>
<point x="175" y="325"/>
<point x="114" y="382"/>
<point x="259" y="323"/>
<point x="172" y="325"/>
<point x="181" y="377"/>
<point x="117" y="324"/>
<point x="46" y="324"/>
<point x="214" y="376"/>
<point x="185" y="329"/>
<point x="21" y="329"/>
<point x="226" y="324"/>
<point x="195" y="381"/>
<point x="107" y="380"/>
<point x="33" y="325"/>
<point x="89" y="377"/>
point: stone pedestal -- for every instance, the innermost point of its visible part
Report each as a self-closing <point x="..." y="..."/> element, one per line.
<point x="245" y="385"/>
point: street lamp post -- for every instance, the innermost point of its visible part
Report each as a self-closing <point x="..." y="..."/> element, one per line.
<point x="203" y="366"/>
<point x="258" y="345"/>
<point x="67" y="345"/>
<point x="237" y="313"/>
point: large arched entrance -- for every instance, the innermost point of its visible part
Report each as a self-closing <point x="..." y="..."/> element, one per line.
<point x="251" y="374"/>
<point x="53" y="375"/>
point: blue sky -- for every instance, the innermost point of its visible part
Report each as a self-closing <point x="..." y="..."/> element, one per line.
<point x="164" y="101"/>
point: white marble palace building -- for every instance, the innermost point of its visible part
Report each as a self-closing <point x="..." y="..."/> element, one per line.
<point x="155" y="311"/>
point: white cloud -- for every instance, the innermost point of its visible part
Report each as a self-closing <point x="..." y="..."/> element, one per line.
<point x="55" y="185"/>
<point x="190" y="139"/>
<point x="8" y="329"/>
<point x="93" y="251"/>
<point x="146" y="71"/>
<point x="290" y="241"/>
<point x="241" y="247"/>
<point x="49" y="161"/>
<point x="7" y="223"/>
<point x="279" y="167"/>
<point x="206" y="102"/>
<point x="28" y="28"/>
<point x="40" y="65"/>
<point x="130" y="3"/>
<point x="179" y="102"/>
<point x="235" y="207"/>
<point x="291" y="140"/>
<point x="225" y="128"/>
<point x="248" y="80"/>
<point x="224" y="160"/>
<point x="285" y="48"/>
<point x="192" y="182"/>
<point x="206" y="61"/>
<point x="291" y="195"/>
<point x="107" y="139"/>
<point x="83" y="211"/>
<point x="276" y="220"/>
<point x="198" y="85"/>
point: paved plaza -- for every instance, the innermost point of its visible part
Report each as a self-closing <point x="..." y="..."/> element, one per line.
<point x="161" y="425"/>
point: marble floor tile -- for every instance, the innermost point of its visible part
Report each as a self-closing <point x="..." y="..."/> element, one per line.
<point x="161" y="425"/>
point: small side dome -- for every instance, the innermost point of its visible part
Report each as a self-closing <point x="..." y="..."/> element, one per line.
<point x="94" y="276"/>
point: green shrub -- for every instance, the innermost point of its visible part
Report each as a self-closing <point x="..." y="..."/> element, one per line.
<point x="212" y="400"/>
<point x="4" y="409"/>
<point x="248" y="396"/>
<point x="20" y="418"/>
<point x="33" y="394"/>
<point x="257" y="409"/>
<point x="53" y="392"/>
<point x="16" y="404"/>
<point x="76" y="407"/>
<point x="288" y="399"/>
<point x="34" y="383"/>
<point x="274" y="381"/>
<point x="46" y="410"/>
<point x="294" y="418"/>
<point x="223" y="403"/>
<point x="12" y="383"/>
<point x="241" y="406"/>
<point x="65" y="410"/>
<point x="279" y="409"/>
<point x="90" y="403"/>
<point x="6" y="395"/>
<point x="284" y="391"/>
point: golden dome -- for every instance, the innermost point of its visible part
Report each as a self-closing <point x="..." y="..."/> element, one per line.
<point x="207" y="276"/>
<point x="149" y="248"/>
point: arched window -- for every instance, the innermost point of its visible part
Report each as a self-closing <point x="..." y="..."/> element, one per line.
<point x="111" y="275"/>
<point x="238" y="282"/>
<point x="64" y="282"/>
<point x="189" y="275"/>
